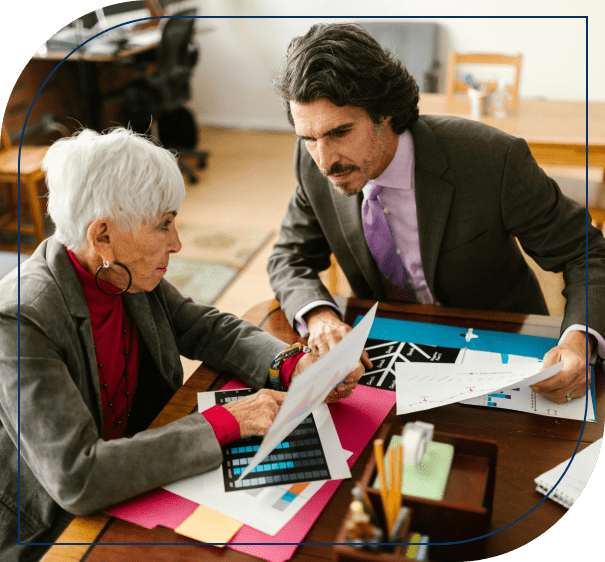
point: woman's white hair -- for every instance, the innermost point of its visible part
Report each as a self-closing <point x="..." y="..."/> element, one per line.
<point x="119" y="175"/>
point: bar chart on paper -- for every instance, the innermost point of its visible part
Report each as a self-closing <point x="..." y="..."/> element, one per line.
<point x="497" y="397"/>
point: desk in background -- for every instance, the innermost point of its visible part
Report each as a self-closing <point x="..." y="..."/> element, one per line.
<point x="78" y="86"/>
<point x="528" y="445"/>
<point x="90" y="61"/>
<point x="554" y="130"/>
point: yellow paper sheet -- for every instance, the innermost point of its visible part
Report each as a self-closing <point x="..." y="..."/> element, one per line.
<point x="207" y="525"/>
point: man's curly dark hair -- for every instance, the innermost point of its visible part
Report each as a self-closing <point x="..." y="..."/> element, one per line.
<point x="345" y="64"/>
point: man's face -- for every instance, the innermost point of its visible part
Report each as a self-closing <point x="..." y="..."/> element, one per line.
<point x="347" y="146"/>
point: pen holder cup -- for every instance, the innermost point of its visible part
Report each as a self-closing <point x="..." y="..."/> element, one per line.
<point x="350" y="553"/>
<point x="463" y="513"/>
<point x="478" y="100"/>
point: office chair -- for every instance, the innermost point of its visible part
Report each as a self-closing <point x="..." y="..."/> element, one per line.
<point x="31" y="173"/>
<point x="161" y="94"/>
<point x="452" y="84"/>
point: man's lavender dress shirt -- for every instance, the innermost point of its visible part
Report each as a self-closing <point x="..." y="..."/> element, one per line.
<point x="398" y="201"/>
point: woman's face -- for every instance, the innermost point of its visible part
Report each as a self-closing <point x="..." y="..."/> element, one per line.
<point x="145" y="251"/>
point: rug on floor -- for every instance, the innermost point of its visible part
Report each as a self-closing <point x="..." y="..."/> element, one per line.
<point x="211" y="258"/>
<point x="10" y="260"/>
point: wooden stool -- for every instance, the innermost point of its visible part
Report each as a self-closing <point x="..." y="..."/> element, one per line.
<point x="30" y="173"/>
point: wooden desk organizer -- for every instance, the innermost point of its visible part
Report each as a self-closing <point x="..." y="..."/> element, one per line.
<point x="463" y="513"/>
<point x="346" y="553"/>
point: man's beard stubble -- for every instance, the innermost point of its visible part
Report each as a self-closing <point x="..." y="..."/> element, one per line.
<point x="342" y="187"/>
<point x="378" y="145"/>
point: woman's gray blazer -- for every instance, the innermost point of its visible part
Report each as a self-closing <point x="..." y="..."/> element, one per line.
<point x="52" y="373"/>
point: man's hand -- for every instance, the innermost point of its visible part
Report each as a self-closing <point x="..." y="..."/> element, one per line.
<point x="326" y="330"/>
<point x="571" y="379"/>
<point x="343" y="389"/>
<point x="256" y="413"/>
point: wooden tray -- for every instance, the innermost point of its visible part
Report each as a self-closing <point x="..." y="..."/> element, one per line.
<point x="346" y="553"/>
<point x="463" y="513"/>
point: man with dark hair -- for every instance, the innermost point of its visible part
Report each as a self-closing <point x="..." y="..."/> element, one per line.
<point x="424" y="208"/>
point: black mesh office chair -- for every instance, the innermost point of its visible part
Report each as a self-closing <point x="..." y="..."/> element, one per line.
<point x="161" y="94"/>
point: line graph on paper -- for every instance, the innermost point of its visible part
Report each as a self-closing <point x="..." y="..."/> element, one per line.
<point x="524" y="400"/>
<point x="425" y="386"/>
<point x="388" y="351"/>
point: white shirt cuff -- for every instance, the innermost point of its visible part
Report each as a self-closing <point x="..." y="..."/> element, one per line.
<point x="299" y="322"/>
<point x="600" y="347"/>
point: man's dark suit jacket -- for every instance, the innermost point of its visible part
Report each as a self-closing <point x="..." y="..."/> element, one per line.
<point x="477" y="189"/>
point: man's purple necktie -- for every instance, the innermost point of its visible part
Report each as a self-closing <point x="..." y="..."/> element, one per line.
<point x="382" y="246"/>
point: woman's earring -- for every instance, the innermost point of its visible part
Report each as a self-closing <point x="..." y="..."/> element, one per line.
<point x="106" y="264"/>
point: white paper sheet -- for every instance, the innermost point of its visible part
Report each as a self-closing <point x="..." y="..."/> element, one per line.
<point x="309" y="389"/>
<point x="523" y="399"/>
<point x="422" y="386"/>
<point x="261" y="508"/>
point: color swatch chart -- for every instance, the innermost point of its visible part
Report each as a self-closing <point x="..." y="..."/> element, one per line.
<point x="386" y="354"/>
<point x="298" y="458"/>
<point x="290" y="494"/>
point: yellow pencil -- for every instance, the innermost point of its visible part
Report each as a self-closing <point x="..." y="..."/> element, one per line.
<point x="399" y="473"/>
<point x="392" y="491"/>
<point x="379" y="455"/>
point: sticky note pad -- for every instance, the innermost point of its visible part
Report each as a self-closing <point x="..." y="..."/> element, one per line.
<point x="429" y="479"/>
<point x="207" y="525"/>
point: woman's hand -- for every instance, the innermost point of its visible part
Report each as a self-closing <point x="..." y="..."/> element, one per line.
<point x="256" y="413"/>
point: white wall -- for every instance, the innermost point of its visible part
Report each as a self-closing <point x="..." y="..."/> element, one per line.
<point x="241" y="56"/>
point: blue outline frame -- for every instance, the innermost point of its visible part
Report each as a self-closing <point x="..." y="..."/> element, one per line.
<point x="19" y="280"/>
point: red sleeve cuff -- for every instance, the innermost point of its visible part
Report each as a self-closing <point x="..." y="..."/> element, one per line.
<point x="287" y="368"/>
<point x="223" y="423"/>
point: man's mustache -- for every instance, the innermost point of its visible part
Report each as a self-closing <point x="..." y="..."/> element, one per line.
<point x="337" y="169"/>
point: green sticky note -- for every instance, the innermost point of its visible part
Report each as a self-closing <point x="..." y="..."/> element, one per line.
<point x="429" y="478"/>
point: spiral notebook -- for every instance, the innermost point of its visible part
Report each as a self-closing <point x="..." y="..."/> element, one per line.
<point x="576" y="477"/>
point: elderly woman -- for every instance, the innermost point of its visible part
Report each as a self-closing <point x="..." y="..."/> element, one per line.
<point x="101" y="334"/>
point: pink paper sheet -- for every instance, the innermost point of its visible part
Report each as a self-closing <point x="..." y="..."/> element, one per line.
<point x="356" y="420"/>
<point x="159" y="507"/>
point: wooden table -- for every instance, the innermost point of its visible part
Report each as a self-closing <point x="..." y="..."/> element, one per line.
<point x="528" y="445"/>
<point x="555" y="130"/>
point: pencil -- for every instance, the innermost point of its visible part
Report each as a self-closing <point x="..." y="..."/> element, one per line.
<point x="399" y="473"/>
<point x="392" y="491"/>
<point x="379" y="455"/>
